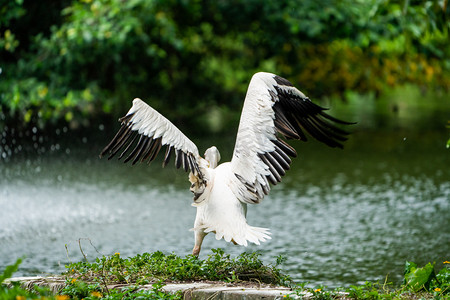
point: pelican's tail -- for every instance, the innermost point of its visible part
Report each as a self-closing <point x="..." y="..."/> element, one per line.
<point x="252" y="234"/>
<point x="240" y="236"/>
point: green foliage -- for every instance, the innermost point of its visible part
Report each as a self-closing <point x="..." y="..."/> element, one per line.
<point x="441" y="283"/>
<point x="147" y="267"/>
<point x="76" y="290"/>
<point x="188" y="57"/>
<point x="93" y="281"/>
<point x="81" y="290"/>
<point x="9" y="11"/>
<point x="418" y="278"/>
<point x="9" y="270"/>
<point x="89" y="280"/>
<point x="419" y="283"/>
<point x="37" y="103"/>
<point x="15" y="292"/>
<point x="425" y="278"/>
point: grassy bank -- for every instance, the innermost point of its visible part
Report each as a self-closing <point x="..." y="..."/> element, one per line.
<point x="90" y="280"/>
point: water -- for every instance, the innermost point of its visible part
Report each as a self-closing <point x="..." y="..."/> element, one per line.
<point x="339" y="217"/>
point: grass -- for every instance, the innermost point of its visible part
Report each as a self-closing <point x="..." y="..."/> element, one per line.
<point x="157" y="266"/>
<point x="93" y="280"/>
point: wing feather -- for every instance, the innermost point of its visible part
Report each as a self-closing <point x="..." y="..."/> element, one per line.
<point x="154" y="131"/>
<point x="120" y="142"/>
<point x="128" y="146"/>
<point x="285" y="147"/>
<point x="154" y="150"/>
<point x="167" y="155"/>
<point x="136" y="149"/>
<point x="178" y="158"/>
<point x="273" y="105"/>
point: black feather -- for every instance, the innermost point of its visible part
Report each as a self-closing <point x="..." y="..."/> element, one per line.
<point x="142" y="151"/>
<point x="283" y="155"/>
<point x="271" y="167"/>
<point x="129" y="145"/>
<point x="154" y="150"/>
<point x="281" y="159"/>
<point x="167" y="155"/>
<point x="191" y="163"/>
<point x="285" y="147"/>
<point x="178" y="158"/>
<point x="116" y="139"/>
<point x="185" y="162"/>
<point x="281" y="171"/>
<point x="122" y="141"/>
<point x="136" y="149"/>
<point x="295" y="113"/>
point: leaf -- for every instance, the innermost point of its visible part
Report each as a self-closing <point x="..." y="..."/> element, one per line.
<point x="7" y="273"/>
<point x="419" y="278"/>
<point x="444" y="276"/>
<point x="408" y="266"/>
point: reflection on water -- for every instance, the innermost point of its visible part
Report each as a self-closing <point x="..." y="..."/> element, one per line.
<point x="340" y="217"/>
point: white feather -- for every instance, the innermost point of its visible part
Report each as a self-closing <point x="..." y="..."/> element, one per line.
<point x="255" y="133"/>
<point x="149" y="122"/>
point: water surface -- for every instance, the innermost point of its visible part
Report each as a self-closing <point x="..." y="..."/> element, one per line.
<point x="340" y="217"/>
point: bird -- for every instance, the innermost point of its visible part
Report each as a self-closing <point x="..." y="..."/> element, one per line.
<point x="274" y="111"/>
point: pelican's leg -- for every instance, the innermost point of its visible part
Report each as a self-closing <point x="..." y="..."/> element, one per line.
<point x="199" y="236"/>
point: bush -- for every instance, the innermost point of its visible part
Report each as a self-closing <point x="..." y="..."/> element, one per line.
<point x="185" y="58"/>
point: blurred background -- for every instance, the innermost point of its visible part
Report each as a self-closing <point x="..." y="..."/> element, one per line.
<point x="80" y="63"/>
<point x="69" y="69"/>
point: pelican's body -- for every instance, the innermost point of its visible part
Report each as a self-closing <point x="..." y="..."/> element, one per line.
<point x="223" y="214"/>
<point x="221" y="192"/>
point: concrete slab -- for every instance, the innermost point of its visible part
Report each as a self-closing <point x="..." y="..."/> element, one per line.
<point x="190" y="290"/>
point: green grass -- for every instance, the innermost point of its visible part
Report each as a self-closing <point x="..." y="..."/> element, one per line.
<point x="157" y="266"/>
<point x="93" y="280"/>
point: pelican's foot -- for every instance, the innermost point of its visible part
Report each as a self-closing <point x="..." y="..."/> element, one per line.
<point x="196" y="251"/>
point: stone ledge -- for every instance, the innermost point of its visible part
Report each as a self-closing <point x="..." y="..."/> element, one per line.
<point x="55" y="284"/>
<point x="190" y="290"/>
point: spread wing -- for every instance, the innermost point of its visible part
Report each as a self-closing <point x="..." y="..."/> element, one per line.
<point x="142" y="134"/>
<point x="273" y="105"/>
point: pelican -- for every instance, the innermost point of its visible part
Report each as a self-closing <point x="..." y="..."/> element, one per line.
<point x="273" y="108"/>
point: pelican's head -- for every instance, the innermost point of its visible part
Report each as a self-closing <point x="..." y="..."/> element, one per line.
<point x="212" y="155"/>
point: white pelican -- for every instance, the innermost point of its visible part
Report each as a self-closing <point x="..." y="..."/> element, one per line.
<point x="221" y="192"/>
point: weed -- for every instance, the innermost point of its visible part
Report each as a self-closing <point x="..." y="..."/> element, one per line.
<point x="367" y="291"/>
<point x="151" y="267"/>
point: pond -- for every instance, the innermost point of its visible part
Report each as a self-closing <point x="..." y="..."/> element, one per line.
<point x="340" y="217"/>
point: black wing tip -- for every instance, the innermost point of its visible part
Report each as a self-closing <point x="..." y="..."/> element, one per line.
<point x="294" y="115"/>
<point x="282" y="81"/>
<point x="336" y="120"/>
<point x="147" y="147"/>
